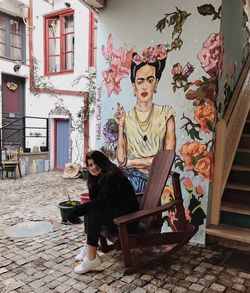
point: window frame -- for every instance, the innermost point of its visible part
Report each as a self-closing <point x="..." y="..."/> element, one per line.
<point x="7" y="35"/>
<point x="60" y="15"/>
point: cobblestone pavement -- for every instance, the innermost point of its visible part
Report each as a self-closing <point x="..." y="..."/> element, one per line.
<point x="45" y="263"/>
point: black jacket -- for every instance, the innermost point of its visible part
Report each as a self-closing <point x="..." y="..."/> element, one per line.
<point x="112" y="194"/>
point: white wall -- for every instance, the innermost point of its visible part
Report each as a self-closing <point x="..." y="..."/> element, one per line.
<point x="41" y="104"/>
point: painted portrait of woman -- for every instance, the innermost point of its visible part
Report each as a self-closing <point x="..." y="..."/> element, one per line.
<point x="147" y="128"/>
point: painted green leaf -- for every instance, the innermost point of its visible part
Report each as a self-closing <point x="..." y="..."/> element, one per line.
<point x="210" y="124"/>
<point x="191" y="133"/>
<point x="196" y="135"/>
<point x="180" y="166"/>
<point x="194" y="160"/>
<point x="161" y="24"/>
<point x="172" y="20"/>
<point x="186" y="87"/>
<point x="201" y="156"/>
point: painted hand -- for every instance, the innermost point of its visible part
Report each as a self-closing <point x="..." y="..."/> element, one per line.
<point x="120" y="115"/>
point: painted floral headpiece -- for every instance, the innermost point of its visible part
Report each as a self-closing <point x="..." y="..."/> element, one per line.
<point x="151" y="54"/>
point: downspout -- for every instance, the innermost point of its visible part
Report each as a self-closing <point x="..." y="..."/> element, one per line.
<point x="30" y="27"/>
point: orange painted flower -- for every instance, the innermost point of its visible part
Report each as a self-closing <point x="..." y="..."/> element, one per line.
<point x="204" y="166"/>
<point x="205" y="116"/>
<point x="192" y="152"/>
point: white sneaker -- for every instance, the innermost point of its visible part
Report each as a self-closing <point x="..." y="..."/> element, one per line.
<point x="87" y="265"/>
<point x="82" y="253"/>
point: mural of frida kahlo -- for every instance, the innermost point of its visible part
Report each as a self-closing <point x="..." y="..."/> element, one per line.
<point x="147" y="128"/>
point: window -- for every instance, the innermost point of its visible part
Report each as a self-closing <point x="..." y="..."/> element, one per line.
<point x="12" y="38"/>
<point x="59" y="42"/>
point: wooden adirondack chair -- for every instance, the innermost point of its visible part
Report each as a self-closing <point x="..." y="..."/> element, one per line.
<point x="150" y="217"/>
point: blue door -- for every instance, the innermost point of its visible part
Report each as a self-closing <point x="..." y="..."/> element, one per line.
<point x="62" y="143"/>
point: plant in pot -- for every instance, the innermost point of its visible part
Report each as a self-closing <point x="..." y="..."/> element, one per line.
<point x="66" y="208"/>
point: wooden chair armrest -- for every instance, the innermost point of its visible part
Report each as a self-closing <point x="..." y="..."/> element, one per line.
<point x="132" y="217"/>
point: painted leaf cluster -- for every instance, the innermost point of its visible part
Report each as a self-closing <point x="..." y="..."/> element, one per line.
<point x="177" y="20"/>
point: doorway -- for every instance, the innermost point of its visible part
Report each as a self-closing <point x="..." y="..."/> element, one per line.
<point x="61" y="143"/>
<point x="13" y="110"/>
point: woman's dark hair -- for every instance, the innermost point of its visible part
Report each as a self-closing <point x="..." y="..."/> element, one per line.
<point x="159" y="66"/>
<point x="104" y="163"/>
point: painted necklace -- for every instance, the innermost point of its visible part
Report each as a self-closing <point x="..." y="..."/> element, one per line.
<point x="144" y="125"/>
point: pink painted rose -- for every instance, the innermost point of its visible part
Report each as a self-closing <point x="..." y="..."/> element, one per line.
<point x="161" y="52"/>
<point x="137" y="59"/>
<point x="192" y="94"/>
<point x="188" y="183"/>
<point x="205" y="116"/>
<point x="177" y="69"/>
<point x="211" y="54"/>
<point x="197" y="82"/>
<point x="199" y="190"/>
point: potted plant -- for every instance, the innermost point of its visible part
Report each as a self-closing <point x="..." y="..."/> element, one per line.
<point x="66" y="208"/>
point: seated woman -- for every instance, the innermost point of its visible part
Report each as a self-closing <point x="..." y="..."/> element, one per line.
<point x="111" y="196"/>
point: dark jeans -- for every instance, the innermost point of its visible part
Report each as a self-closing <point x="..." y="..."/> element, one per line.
<point x="97" y="220"/>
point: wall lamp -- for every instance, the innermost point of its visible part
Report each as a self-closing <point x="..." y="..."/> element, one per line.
<point x="17" y="65"/>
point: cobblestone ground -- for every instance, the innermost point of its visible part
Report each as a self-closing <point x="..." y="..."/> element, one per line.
<point x="45" y="263"/>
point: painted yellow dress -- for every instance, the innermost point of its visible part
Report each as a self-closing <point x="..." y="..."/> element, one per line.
<point x="145" y="131"/>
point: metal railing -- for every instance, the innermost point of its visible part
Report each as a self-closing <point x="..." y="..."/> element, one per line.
<point x="18" y="132"/>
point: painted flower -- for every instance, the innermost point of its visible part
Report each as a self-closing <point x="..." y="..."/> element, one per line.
<point x="187" y="70"/>
<point x="110" y="131"/>
<point x="112" y="78"/>
<point x="151" y="54"/>
<point x="211" y="55"/>
<point x="119" y="61"/>
<point x="167" y="195"/>
<point x="205" y="116"/>
<point x="188" y="183"/>
<point x="199" y="190"/>
<point x="192" y="152"/>
<point x="107" y="53"/>
<point x="197" y="83"/>
<point x="161" y="52"/>
<point x="204" y="166"/>
<point x="204" y="94"/>
<point x="137" y="59"/>
<point x="177" y="69"/>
